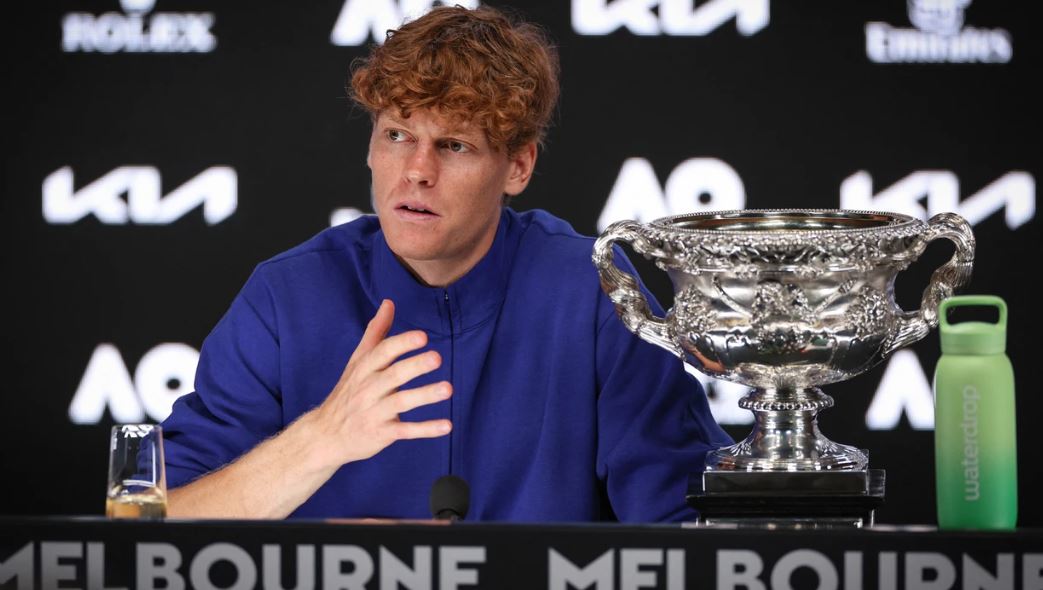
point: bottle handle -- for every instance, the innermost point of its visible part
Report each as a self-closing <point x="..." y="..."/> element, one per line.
<point x="913" y="326"/>
<point x="623" y="289"/>
<point x="972" y="301"/>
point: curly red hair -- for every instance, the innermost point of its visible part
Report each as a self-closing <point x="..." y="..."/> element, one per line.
<point x="467" y="65"/>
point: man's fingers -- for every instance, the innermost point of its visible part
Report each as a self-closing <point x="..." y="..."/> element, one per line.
<point x="389" y="349"/>
<point x="404" y="371"/>
<point x="376" y="330"/>
<point x="428" y="429"/>
<point x="404" y="401"/>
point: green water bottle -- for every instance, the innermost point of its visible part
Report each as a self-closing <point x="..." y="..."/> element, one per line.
<point x="976" y="468"/>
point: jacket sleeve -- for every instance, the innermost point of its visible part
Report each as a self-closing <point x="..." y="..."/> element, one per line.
<point x="654" y="422"/>
<point x="236" y="403"/>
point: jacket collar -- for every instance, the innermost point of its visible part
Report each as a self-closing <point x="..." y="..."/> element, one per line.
<point x="472" y="300"/>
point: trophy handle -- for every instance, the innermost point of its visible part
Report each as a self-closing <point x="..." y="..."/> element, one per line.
<point x="913" y="326"/>
<point x="622" y="288"/>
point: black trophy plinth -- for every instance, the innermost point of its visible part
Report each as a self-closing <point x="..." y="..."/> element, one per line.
<point x="805" y="499"/>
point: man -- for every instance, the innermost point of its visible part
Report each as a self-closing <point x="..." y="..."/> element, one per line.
<point x="491" y="354"/>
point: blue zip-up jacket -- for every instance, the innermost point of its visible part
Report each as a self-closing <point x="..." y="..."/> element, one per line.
<point x="559" y="413"/>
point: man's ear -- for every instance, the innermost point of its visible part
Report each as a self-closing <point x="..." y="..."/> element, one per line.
<point x="522" y="163"/>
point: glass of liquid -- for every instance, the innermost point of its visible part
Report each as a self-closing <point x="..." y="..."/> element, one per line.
<point x="137" y="478"/>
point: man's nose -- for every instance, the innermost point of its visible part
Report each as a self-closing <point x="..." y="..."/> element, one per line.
<point x="422" y="167"/>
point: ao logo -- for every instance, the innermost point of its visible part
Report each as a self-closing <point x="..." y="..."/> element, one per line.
<point x="164" y="374"/>
<point x="675" y="17"/>
<point x="214" y="188"/>
<point x="362" y="19"/>
<point x="697" y="184"/>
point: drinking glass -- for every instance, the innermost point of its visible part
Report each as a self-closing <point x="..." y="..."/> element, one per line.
<point x="137" y="478"/>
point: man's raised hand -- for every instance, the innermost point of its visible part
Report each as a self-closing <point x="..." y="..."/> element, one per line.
<point x="360" y="417"/>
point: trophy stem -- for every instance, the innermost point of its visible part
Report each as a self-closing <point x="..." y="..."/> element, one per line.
<point x="785" y="436"/>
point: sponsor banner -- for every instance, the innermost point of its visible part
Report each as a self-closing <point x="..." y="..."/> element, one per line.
<point x="940" y="36"/>
<point x="668" y="17"/>
<point x="137" y="29"/>
<point x="93" y="553"/>
<point x="132" y="194"/>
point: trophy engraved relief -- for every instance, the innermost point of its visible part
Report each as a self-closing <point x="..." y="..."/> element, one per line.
<point x="784" y="301"/>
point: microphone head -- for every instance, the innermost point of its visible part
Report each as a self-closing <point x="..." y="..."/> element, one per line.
<point x="450" y="498"/>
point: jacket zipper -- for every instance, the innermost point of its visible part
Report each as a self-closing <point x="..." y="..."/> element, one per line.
<point x="452" y="356"/>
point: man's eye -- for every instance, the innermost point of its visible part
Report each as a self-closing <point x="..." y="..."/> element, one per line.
<point x="456" y="146"/>
<point x="395" y="135"/>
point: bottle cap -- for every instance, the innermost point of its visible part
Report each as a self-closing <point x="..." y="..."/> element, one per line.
<point x="973" y="337"/>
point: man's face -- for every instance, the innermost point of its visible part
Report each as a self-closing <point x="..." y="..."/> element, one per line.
<point x="438" y="190"/>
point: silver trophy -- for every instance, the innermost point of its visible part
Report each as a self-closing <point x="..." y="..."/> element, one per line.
<point x="784" y="301"/>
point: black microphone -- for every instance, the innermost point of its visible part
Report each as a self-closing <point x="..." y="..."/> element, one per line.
<point x="450" y="498"/>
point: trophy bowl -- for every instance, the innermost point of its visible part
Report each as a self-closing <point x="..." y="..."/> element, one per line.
<point x="784" y="301"/>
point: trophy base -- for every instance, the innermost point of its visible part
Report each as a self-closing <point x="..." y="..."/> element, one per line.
<point x="789" y="499"/>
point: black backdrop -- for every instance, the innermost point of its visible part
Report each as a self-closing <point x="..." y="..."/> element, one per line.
<point x="236" y="115"/>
